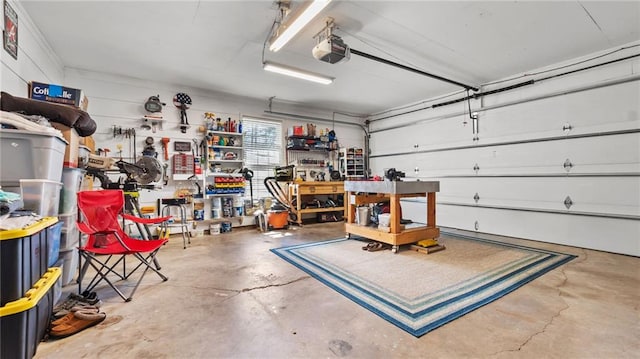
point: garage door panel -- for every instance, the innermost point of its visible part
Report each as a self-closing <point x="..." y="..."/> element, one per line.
<point x="456" y="217"/>
<point x="582" y="110"/>
<point x="610" y="195"/>
<point x="607" y="154"/>
<point x="422" y="136"/>
<point x="572" y="230"/>
<point x="593" y="155"/>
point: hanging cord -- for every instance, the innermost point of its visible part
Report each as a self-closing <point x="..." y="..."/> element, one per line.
<point x="469" y="102"/>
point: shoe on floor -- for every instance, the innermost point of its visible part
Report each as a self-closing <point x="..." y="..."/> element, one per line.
<point x="71" y="314"/>
<point x="378" y="247"/>
<point x="80" y="321"/>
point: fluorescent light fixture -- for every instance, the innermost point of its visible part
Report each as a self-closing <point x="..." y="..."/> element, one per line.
<point x="293" y="27"/>
<point x="301" y="74"/>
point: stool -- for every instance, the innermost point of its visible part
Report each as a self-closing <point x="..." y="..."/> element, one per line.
<point x="184" y="226"/>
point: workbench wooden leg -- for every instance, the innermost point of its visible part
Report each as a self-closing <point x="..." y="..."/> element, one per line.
<point x="431" y="209"/>
<point x="394" y="221"/>
<point x="350" y="208"/>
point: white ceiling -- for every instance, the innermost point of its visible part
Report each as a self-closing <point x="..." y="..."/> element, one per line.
<point x="217" y="45"/>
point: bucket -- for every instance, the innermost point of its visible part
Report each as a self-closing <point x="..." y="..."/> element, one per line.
<point x="216" y="202"/>
<point x="225" y="227"/>
<point x="198" y="209"/>
<point x="214" y="228"/>
<point x="362" y="216"/>
<point x="71" y="184"/>
<point x="384" y="219"/>
<point x="216" y="213"/>
<point x="237" y="211"/>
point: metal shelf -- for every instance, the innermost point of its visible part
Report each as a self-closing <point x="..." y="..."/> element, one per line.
<point x="185" y="176"/>
<point x="227" y="161"/>
<point x="227" y="147"/>
<point x="222" y="174"/>
<point x="225" y="133"/>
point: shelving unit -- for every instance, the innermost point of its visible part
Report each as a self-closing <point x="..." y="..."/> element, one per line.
<point x="223" y="182"/>
<point x="310" y="155"/>
<point x="352" y="163"/>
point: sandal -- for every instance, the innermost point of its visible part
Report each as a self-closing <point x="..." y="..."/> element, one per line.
<point x="369" y="246"/>
<point x="378" y="247"/>
<point x="80" y="321"/>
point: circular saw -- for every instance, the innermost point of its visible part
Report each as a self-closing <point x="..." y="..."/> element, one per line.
<point x="145" y="171"/>
<point x="150" y="170"/>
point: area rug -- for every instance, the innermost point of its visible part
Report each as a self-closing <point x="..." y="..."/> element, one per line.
<point x="419" y="292"/>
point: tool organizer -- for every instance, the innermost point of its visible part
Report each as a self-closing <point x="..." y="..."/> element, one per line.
<point x="183" y="164"/>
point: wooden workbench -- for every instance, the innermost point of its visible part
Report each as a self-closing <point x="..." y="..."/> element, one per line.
<point x="366" y="192"/>
<point x="303" y="191"/>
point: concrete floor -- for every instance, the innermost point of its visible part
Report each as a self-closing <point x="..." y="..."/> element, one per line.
<point x="229" y="296"/>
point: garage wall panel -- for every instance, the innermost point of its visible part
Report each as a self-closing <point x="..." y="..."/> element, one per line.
<point x="36" y="60"/>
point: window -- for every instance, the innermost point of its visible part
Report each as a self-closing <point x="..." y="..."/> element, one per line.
<point x="262" y="142"/>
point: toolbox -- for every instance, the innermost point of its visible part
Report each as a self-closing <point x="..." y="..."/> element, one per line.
<point x="24" y="257"/>
<point x="24" y="322"/>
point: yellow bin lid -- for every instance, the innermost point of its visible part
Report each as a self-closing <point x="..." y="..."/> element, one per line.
<point x="33" y="295"/>
<point x="28" y="230"/>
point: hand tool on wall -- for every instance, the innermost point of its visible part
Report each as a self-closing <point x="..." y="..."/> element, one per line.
<point x="165" y="177"/>
<point x="149" y="148"/>
<point x="183" y="102"/>
<point x="165" y="146"/>
<point x="196" y="147"/>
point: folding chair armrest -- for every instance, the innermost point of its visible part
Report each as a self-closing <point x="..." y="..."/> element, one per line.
<point x="84" y="228"/>
<point x="146" y="220"/>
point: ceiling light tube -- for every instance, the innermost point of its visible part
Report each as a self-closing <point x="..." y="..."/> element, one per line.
<point x="294" y="26"/>
<point x="301" y="74"/>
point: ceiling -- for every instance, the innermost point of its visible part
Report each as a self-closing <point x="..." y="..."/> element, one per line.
<point x="218" y="45"/>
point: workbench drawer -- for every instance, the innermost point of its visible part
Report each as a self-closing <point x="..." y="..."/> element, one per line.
<point x="321" y="189"/>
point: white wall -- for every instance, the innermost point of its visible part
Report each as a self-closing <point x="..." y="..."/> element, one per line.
<point x="36" y="60"/>
<point x="519" y="155"/>
<point x="118" y="100"/>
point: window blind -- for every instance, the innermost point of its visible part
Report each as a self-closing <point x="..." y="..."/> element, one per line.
<point x="262" y="142"/>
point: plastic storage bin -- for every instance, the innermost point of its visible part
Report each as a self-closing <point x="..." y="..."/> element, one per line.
<point x="28" y="154"/>
<point x="69" y="238"/>
<point x="69" y="265"/>
<point x="53" y="243"/>
<point x="68" y="220"/>
<point x="23" y="258"/>
<point x="41" y="196"/>
<point x="23" y="322"/>
<point x="70" y="232"/>
<point x="71" y="183"/>
<point x="384" y="219"/>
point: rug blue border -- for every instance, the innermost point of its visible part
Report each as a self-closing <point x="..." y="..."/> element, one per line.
<point x="452" y="316"/>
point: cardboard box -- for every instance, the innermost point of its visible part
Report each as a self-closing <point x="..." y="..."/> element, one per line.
<point x="71" y="151"/>
<point x="58" y="94"/>
<point x="89" y="142"/>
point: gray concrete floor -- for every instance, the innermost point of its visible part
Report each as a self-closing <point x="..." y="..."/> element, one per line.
<point x="228" y="296"/>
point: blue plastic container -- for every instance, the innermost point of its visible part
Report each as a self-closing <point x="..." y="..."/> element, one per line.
<point x="53" y="239"/>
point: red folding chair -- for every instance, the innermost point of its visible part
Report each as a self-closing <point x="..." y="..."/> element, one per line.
<point x="108" y="245"/>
